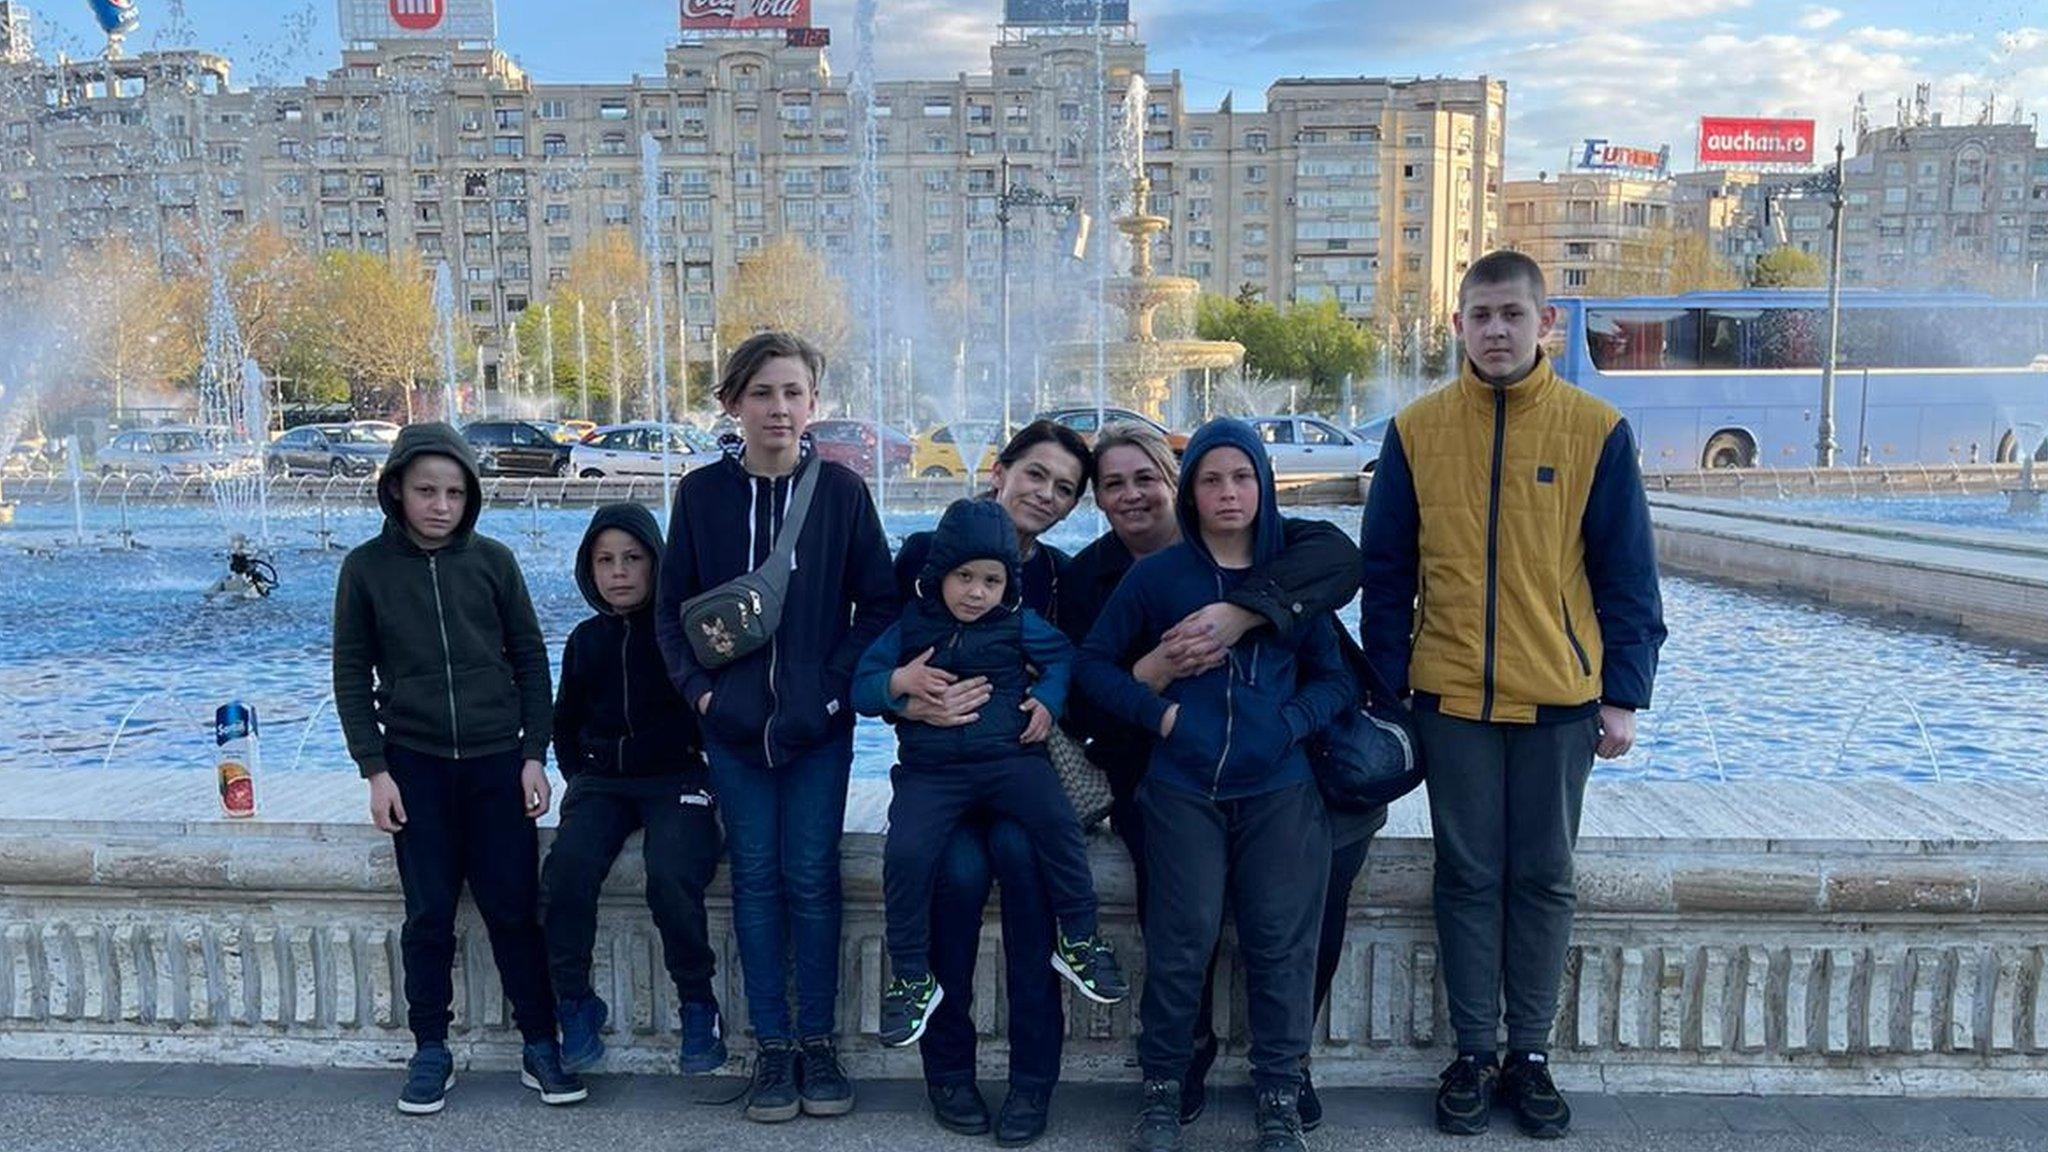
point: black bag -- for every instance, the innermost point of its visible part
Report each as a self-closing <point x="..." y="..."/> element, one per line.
<point x="737" y="618"/>
<point x="1370" y="756"/>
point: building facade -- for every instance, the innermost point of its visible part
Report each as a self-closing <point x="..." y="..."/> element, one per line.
<point x="1594" y="233"/>
<point x="1372" y="192"/>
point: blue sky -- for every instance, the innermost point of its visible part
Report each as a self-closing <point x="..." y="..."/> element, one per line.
<point x="1626" y="70"/>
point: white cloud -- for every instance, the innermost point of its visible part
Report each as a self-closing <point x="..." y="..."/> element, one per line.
<point x="1815" y="19"/>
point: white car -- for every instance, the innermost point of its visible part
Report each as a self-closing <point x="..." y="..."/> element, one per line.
<point x="1309" y="447"/>
<point x="635" y="450"/>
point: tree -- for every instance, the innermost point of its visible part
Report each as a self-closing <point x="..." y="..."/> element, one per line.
<point x="1311" y="342"/>
<point x="378" y="323"/>
<point x="129" y="327"/>
<point x="600" y="274"/>
<point x="1696" y="267"/>
<point x="1787" y="267"/>
<point x="786" y="286"/>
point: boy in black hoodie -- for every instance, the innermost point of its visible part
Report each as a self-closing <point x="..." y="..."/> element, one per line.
<point x="441" y="684"/>
<point x="967" y="621"/>
<point x="630" y="749"/>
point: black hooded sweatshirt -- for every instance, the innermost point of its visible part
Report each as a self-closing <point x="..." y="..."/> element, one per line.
<point x="617" y="714"/>
<point x="439" y="652"/>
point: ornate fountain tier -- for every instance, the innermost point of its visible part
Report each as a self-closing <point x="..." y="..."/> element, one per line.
<point x="1139" y="369"/>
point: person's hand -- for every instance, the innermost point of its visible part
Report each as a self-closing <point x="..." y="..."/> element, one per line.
<point x="1192" y="652"/>
<point x="1617" y="732"/>
<point x="534" y="789"/>
<point x="703" y="704"/>
<point x="959" y="705"/>
<point x="1167" y="721"/>
<point x="918" y="680"/>
<point x="1224" y="624"/>
<point x="387" y="809"/>
<point x="1039" y="726"/>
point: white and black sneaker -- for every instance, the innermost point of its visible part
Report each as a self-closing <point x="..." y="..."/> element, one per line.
<point x="540" y="1068"/>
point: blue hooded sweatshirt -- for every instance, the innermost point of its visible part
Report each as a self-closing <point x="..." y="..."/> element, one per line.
<point x="1241" y="726"/>
<point x="1006" y="644"/>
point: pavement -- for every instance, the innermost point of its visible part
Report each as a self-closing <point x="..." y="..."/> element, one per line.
<point x="74" y="1107"/>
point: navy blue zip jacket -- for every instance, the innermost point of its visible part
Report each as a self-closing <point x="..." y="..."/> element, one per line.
<point x="1006" y="644"/>
<point x="1241" y="726"/>
<point x="616" y="714"/>
<point x="793" y="694"/>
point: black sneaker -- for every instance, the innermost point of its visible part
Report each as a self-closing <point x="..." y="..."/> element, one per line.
<point x="1464" y="1099"/>
<point x="582" y="1020"/>
<point x="428" y="1077"/>
<point x="1279" y="1121"/>
<point x="1307" y="1102"/>
<point x="959" y="1108"/>
<point x="1022" y="1120"/>
<point x="822" y="1082"/>
<point x="772" y="1098"/>
<point x="703" y="1048"/>
<point x="1158" y="1126"/>
<point x="1090" y="966"/>
<point x="907" y="1009"/>
<point x="540" y="1068"/>
<point x="1525" y="1086"/>
<point x="1194" y="1087"/>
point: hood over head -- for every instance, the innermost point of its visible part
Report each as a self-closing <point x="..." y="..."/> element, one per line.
<point x="973" y="530"/>
<point x="637" y="522"/>
<point x="1267" y="536"/>
<point x="414" y="441"/>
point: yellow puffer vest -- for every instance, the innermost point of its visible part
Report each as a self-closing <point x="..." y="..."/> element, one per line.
<point x="1504" y="619"/>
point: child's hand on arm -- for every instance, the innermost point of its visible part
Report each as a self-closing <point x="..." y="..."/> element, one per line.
<point x="919" y="681"/>
<point x="534" y="789"/>
<point x="1039" y="727"/>
<point x="387" y="810"/>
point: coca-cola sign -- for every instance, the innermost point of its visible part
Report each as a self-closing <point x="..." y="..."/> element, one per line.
<point x="712" y="15"/>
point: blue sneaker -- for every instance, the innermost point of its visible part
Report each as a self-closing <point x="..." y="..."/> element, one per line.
<point x="540" y="1068"/>
<point x="428" y="1077"/>
<point x="582" y="1023"/>
<point x="703" y="1038"/>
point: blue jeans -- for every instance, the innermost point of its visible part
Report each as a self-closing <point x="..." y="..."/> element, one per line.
<point x="979" y="853"/>
<point x="782" y="828"/>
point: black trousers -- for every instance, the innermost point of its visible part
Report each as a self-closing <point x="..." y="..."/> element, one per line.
<point x="1270" y="855"/>
<point x="1346" y="863"/>
<point x="1129" y="824"/>
<point x="928" y="804"/>
<point x="466" y="822"/>
<point x="681" y="850"/>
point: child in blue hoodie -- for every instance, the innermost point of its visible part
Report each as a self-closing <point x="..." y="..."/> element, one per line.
<point x="966" y="621"/>
<point x="1229" y="803"/>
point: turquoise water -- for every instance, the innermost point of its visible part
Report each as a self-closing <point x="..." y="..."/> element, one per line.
<point x="1751" y="686"/>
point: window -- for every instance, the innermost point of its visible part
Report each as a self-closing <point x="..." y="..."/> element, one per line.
<point x="551" y="110"/>
<point x="1275" y="431"/>
<point x="1642" y="340"/>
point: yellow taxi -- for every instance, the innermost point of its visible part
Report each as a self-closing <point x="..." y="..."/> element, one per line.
<point x="935" y="452"/>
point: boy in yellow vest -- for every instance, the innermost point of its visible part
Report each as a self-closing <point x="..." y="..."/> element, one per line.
<point x="1510" y="589"/>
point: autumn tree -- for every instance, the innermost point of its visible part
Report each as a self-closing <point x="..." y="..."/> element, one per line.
<point x="127" y="329"/>
<point x="1787" y="266"/>
<point x="785" y="285"/>
<point x="378" y="323"/>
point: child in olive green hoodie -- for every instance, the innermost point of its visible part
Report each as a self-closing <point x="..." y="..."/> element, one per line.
<point x="441" y="683"/>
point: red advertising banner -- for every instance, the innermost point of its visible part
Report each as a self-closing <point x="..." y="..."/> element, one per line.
<point x="713" y="15"/>
<point x="1755" y="140"/>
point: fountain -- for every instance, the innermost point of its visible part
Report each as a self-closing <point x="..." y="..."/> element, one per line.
<point x="1138" y="370"/>
<point x="2025" y="500"/>
<point x="444" y="324"/>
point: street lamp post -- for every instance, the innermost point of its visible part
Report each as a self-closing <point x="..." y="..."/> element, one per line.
<point x="1824" y="443"/>
<point x="1015" y="197"/>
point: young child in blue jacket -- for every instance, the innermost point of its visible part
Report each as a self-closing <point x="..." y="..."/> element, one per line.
<point x="966" y="621"/>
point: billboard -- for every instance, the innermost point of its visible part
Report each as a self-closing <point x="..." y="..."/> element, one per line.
<point x="366" y="20"/>
<point x="1067" y="13"/>
<point x="1599" y="155"/>
<point x="1755" y="140"/>
<point x="721" y="15"/>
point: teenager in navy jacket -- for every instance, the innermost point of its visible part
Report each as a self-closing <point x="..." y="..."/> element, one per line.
<point x="1229" y="802"/>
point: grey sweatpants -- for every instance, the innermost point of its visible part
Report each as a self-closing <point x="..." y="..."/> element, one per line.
<point x="1504" y="800"/>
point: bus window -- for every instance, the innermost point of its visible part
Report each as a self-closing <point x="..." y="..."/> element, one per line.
<point x="1874" y="338"/>
<point x="1643" y="339"/>
<point x="1763" y="338"/>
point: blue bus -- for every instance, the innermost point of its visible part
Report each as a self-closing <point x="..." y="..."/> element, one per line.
<point x="1732" y="379"/>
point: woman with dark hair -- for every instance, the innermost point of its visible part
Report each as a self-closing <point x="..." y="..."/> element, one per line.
<point x="1136" y="484"/>
<point x="1038" y="479"/>
<point x="778" y="722"/>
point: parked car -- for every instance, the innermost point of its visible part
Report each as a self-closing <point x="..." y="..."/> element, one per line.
<point x="852" y="443"/>
<point x="1369" y="436"/>
<point x="635" y="450"/>
<point x="935" y="453"/>
<point x="516" y="448"/>
<point x="172" y="450"/>
<point x="582" y="428"/>
<point x="327" y="450"/>
<point x="1087" y="420"/>
<point x="1308" y="447"/>
<point x="383" y="430"/>
<point x="560" y="431"/>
